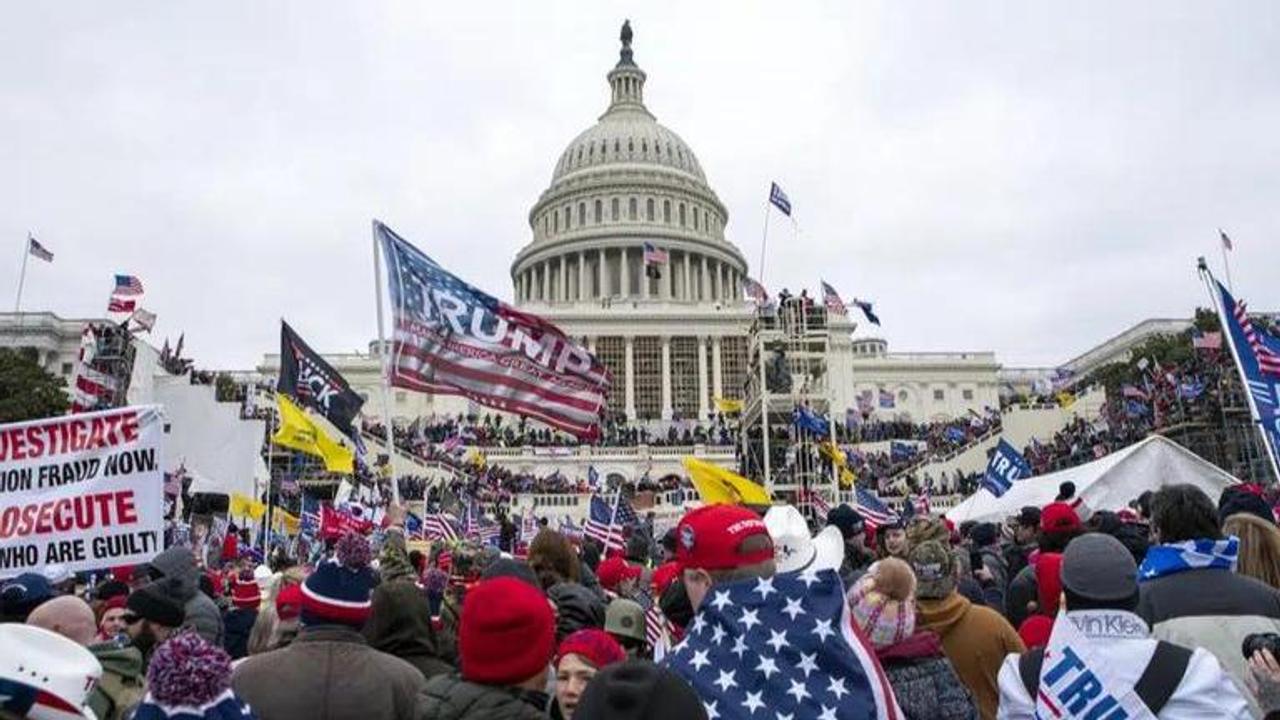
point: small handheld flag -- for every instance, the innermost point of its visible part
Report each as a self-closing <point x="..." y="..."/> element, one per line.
<point x="35" y="248"/>
<point x="779" y="199"/>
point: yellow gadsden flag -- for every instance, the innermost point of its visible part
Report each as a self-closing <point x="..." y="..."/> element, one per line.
<point x="728" y="406"/>
<point x="718" y="486"/>
<point x="299" y="432"/>
<point x="243" y="506"/>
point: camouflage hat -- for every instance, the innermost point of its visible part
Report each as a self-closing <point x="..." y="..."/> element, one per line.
<point x="924" y="529"/>
<point x="934" y="567"/>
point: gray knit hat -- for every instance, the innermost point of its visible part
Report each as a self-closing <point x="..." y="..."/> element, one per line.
<point x="1098" y="567"/>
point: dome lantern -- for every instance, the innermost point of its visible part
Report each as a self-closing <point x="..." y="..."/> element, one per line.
<point x="626" y="79"/>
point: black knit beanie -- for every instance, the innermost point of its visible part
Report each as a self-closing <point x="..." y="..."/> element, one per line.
<point x="639" y="690"/>
<point x="154" y="602"/>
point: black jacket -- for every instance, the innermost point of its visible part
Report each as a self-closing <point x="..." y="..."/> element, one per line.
<point x="449" y="697"/>
<point x="237" y="624"/>
<point x="1206" y="591"/>
<point x="400" y="625"/>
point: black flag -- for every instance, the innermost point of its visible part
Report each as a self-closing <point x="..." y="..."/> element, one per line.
<point x="313" y="383"/>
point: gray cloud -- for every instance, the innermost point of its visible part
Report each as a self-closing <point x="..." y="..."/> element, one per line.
<point x="1026" y="178"/>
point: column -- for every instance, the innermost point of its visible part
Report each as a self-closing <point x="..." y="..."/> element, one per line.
<point x="564" y="277"/>
<point x="717" y="371"/>
<point x="705" y="286"/>
<point x="629" y="377"/>
<point x="668" y="276"/>
<point x="724" y="294"/>
<point x="644" y="278"/>
<point x="666" y="378"/>
<point x="702" y="378"/>
<point x="688" y="277"/>
<point x="624" y="272"/>
<point x="603" y="276"/>
<point x="519" y="282"/>
<point x="582" y="276"/>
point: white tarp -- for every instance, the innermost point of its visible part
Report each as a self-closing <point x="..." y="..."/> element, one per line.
<point x="1108" y="483"/>
<point x="221" y="452"/>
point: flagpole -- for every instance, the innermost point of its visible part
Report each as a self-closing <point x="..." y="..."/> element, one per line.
<point x="764" y="239"/>
<point x="22" y="276"/>
<point x="385" y="358"/>
<point x="271" y="461"/>
<point x="1214" y="296"/>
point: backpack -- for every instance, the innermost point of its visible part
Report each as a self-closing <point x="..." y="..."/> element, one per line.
<point x="1156" y="685"/>
<point x="120" y="693"/>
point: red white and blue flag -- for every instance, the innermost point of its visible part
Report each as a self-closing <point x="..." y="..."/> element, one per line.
<point x="832" y="300"/>
<point x="755" y="291"/>
<point x="127" y="285"/>
<point x="451" y="338"/>
<point x="603" y="524"/>
<point x="872" y="509"/>
<point x="440" y="527"/>
<point x="654" y="255"/>
<point x="782" y="646"/>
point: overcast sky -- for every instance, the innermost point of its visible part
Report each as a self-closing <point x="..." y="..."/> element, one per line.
<point x="1028" y="178"/>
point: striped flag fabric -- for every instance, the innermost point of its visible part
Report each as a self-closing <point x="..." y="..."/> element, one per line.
<point x="655" y="625"/>
<point x="654" y="255"/>
<point x="1206" y="340"/>
<point x="921" y="503"/>
<point x="441" y="527"/>
<point x="145" y="319"/>
<point x="121" y="305"/>
<point x="1267" y="358"/>
<point x="35" y="248"/>
<point x="832" y="300"/>
<point x="872" y="509"/>
<point x="127" y="285"/>
<point x="451" y="338"/>
<point x="755" y="291"/>
<point x="602" y="525"/>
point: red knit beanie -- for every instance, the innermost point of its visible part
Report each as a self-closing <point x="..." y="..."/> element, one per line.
<point x="593" y="645"/>
<point x="507" y="633"/>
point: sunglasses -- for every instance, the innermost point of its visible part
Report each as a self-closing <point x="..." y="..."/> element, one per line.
<point x="131" y="618"/>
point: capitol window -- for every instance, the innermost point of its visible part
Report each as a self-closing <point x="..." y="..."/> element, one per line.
<point x="631" y="209"/>
<point x="557" y="219"/>
<point x="613" y="209"/>
<point x="695" y="218"/>
<point x="967" y="394"/>
<point x="681" y="214"/>
<point x="648" y="209"/>
<point x="939" y="395"/>
<point x="582" y="214"/>
<point x="666" y="211"/>
<point x="568" y="217"/>
<point x="598" y="212"/>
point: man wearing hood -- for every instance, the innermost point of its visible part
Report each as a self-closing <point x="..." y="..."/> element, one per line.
<point x="400" y="625"/>
<point x="179" y="565"/>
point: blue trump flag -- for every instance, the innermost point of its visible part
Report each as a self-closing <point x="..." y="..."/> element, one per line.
<point x="781" y="646"/>
<point x="901" y="451"/>
<point x="1006" y="467"/>
<point x="806" y="419"/>
<point x="1257" y="354"/>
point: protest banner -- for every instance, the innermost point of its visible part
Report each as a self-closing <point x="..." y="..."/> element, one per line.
<point x="85" y="491"/>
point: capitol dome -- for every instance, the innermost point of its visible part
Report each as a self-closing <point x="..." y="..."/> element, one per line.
<point x="625" y="183"/>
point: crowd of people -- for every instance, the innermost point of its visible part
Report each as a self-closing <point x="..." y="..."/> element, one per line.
<point x="1169" y="606"/>
<point x="492" y="430"/>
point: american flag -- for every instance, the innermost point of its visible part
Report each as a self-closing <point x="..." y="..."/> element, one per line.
<point x="440" y="527"/>
<point x="481" y="528"/>
<point x="310" y="515"/>
<point x="655" y="625"/>
<point x="528" y="527"/>
<point x="1268" y="359"/>
<point x="755" y="291"/>
<point x="779" y="199"/>
<point x="127" y="285"/>
<point x="35" y="248"/>
<point x="832" y="300"/>
<point x="1206" y="340"/>
<point x="121" y="305"/>
<point x="875" y="512"/>
<point x="602" y="525"/>
<point x="654" y="255"/>
<point x="921" y="504"/>
<point x="784" y="645"/>
<point x="413" y="527"/>
<point x="451" y="338"/>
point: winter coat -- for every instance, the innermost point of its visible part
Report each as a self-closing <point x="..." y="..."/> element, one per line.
<point x="449" y="697"/>
<point x="923" y="680"/>
<point x="1206" y="591"/>
<point x="400" y="625"/>
<point x="123" y="683"/>
<point x="1205" y="691"/>
<point x="1023" y="589"/>
<point x="202" y="614"/>
<point x="576" y="608"/>
<point x="237" y="624"/>
<point x="976" y="640"/>
<point x="1017" y="557"/>
<point x="854" y="566"/>
<point x="328" y="673"/>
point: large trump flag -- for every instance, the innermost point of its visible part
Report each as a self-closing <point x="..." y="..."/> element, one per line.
<point x="454" y="339"/>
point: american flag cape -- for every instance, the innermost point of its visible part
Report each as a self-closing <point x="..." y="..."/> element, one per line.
<point x="832" y="300"/>
<point x="603" y="525"/>
<point x="451" y="338"/>
<point x="784" y="645"/>
<point x="872" y="509"/>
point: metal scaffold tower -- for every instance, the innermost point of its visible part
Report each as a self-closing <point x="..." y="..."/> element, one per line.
<point x="787" y="372"/>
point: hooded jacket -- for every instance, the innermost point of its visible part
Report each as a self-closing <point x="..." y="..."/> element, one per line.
<point x="449" y="697"/>
<point x="123" y="683"/>
<point x="178" y="564"/>
<point x="576" y="608"/>
<point x="400" y="625"/>
<point x="1205" y="691"/>
<point x="975" y="639"/>
<point x="923" y="680"/>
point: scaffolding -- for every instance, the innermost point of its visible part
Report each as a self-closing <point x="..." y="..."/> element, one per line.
<point x="112" y="359"/>
<point x="787" y="371"/>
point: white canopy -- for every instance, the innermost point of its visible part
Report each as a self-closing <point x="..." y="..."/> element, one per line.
<point x="1107" y="483"/>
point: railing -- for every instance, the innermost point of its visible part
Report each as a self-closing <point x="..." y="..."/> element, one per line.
<point x="949" y="455"/>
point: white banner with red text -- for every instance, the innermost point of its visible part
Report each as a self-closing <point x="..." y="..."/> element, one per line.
<point x="85" y="491"/>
